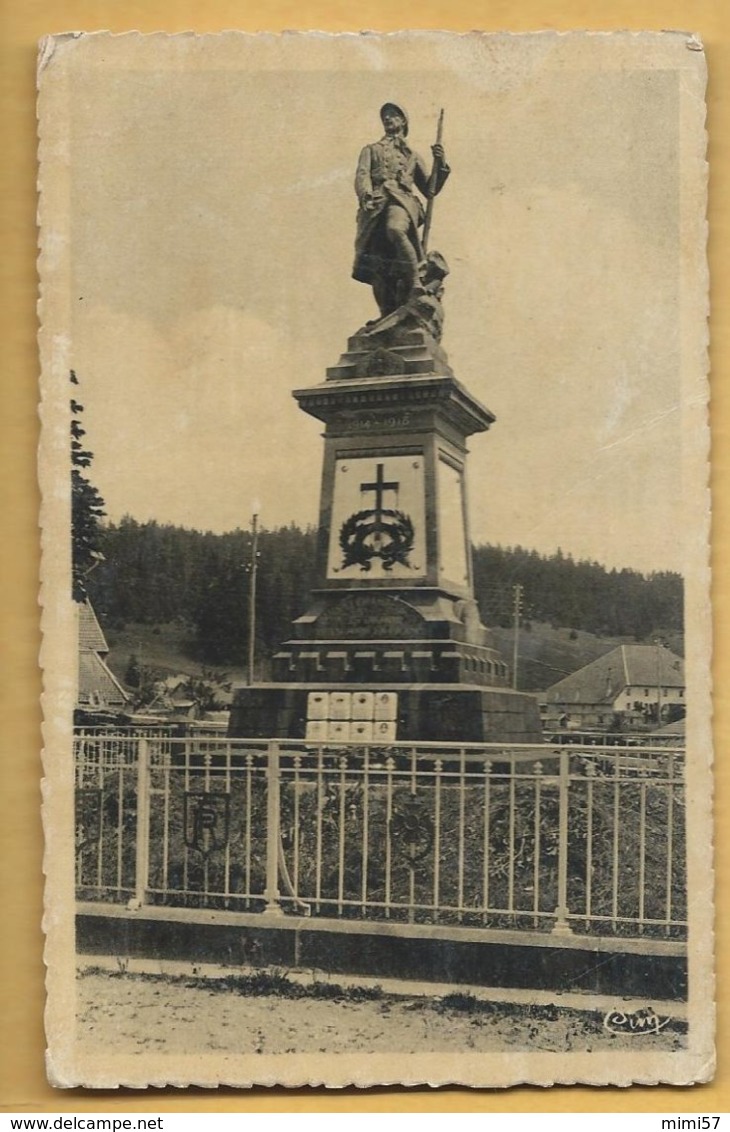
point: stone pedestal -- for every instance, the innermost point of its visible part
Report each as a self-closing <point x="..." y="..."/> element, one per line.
<point x="420" y="713"/>
<point x="393" y="613"/>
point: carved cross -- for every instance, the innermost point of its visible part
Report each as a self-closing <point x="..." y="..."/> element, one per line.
<point x="379" y="486"/>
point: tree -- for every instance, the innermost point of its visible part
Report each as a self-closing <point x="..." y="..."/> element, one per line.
<point x="87" y="507"/>
<point x="221" y="618"/>
<point x="206" y="689"/>
<point x="133" y="672"/>
<point x="147" y="688"/>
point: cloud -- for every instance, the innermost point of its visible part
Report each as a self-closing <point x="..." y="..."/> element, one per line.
<point x="213" y="252"/>
<point x="190" y="422"/>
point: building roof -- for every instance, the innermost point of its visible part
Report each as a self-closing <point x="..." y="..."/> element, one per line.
<point x="97" y="683"/>
<point x="90" y="633"/>
<point x="675" y="728"/>
<point x="626" y="666"/>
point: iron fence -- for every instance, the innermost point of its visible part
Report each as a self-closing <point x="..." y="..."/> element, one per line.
<point x="503" y="836"/>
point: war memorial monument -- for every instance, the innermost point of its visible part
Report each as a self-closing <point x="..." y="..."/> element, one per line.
<point x="392" y="646"/>
<point x="382" y="873"/>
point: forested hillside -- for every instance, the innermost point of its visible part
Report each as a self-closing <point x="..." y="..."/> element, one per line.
<point x="154" y="574"/>
<point x="580" y="595"/>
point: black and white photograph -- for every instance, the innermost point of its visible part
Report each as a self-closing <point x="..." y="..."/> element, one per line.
<point x="375" y="573"/>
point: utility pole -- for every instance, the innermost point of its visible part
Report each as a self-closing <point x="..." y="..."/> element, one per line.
<point x="517" y="590"/>
<point x="253" y="567"/>
<point x="658" y="644"/>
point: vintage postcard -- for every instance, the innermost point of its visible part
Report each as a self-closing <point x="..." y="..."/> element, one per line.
<point x="375" y="559"/>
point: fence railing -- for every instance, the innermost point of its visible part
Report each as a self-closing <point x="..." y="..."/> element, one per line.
<point x="498" y="836"/>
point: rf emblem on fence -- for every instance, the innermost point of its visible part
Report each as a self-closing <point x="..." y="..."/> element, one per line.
<point x="411" y="830"/>
<point x="207" y="821"/>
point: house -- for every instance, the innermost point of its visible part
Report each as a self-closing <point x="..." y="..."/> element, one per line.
<point x="98" y="688"/>
<point x="643" y="685"/>
<point x="173" y="699"/>
<point x="182" y="701"/>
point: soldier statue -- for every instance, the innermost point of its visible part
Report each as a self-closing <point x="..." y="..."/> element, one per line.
<point x="389" y="251"/>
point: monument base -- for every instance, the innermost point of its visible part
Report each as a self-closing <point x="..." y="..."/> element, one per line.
<point x="388" y="662"/>
<point x="383" y="713"/>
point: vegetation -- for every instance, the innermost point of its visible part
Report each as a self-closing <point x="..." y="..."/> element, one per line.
<point x="87" y="507"/>
<point x="432" y="849"/>
<point x="155" y="574"/>
<point x="148" y="687"/>
<point x="582" y="595"/>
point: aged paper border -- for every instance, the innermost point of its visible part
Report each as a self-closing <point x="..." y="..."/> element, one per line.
<point x="21" y="857"/>
<point x="64" y="61"/>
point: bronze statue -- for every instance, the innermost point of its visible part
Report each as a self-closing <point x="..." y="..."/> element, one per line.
<point x="389" y="251"/>
<point x="422" y="311"/>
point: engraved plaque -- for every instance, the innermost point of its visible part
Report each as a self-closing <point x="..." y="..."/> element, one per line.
<point x="386" y="706"/>
<point x="362" y="705"/>
<point x="318" y="705"/>
<point x="340" y="705"/>
<point x="317" y="730"/>
<point x="370" y="617"/>
<point x="378" y="518"/>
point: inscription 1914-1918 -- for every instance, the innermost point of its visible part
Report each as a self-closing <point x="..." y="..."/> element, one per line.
<point x="372" y="422"/>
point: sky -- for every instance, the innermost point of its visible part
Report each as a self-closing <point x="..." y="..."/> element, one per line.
<point x="212" y="225"/>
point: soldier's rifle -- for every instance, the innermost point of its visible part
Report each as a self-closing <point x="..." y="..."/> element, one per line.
<point x="433" y="181"/>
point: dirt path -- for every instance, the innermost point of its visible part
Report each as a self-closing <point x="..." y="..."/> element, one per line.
<point x="134" y="1013"/>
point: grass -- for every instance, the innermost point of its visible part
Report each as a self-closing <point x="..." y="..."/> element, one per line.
<point x="273" y="982"/>
<point x="166" y="647"/>
<point x="332" y="823"/>
<point x="546" y="653"/>
<point x="259" y="984"/>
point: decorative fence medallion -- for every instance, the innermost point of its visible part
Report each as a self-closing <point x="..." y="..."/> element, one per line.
<point x="88" y="818"/>
<point x="412" y="830"/>
<point x="207" y="821"/>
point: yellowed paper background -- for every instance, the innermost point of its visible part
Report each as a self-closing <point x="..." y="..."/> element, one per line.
<point x="23" y="1085"/>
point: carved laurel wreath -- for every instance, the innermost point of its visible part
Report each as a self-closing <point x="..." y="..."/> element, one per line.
<point x="394" y="549"/>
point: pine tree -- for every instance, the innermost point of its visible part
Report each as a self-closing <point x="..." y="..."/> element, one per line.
<point x="87" y="507"/>
<point x="133" y="672"/>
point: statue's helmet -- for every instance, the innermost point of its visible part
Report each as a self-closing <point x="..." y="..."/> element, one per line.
<point x="394" y="106"/>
